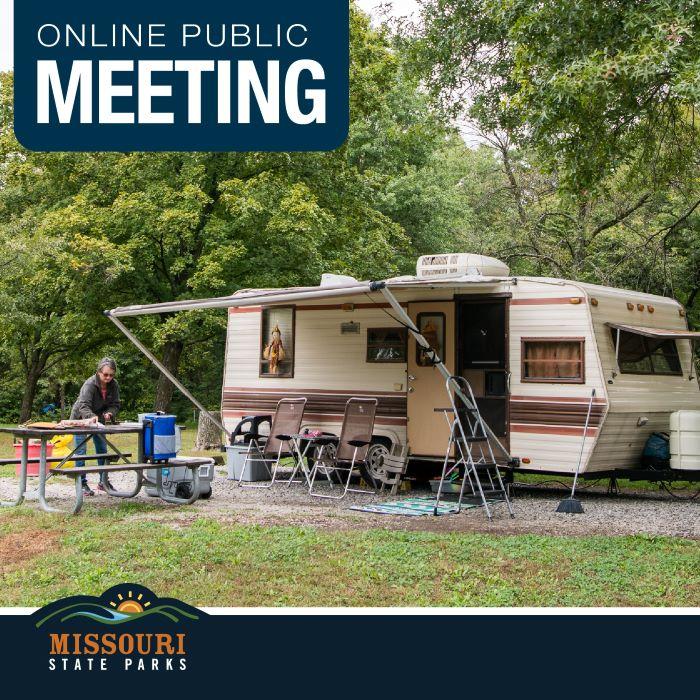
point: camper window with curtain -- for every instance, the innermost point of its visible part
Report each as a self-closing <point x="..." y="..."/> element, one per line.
<point x="639" y="354"/>
<point x="553" y="360"/>
<point x="277" y="342"/>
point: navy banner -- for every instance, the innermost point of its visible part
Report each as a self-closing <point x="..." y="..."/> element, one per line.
<point x="129" y="636"/>
<point x="163" y="75"/>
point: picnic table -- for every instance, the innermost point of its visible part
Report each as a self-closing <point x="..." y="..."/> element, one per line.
<point x="44" y="434"/>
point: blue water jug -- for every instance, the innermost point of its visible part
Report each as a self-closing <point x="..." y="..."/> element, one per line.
<point x="159" y="441"/>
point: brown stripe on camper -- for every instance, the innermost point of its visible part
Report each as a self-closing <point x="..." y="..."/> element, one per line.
<point x="558" y="399"/>
<point x="554" y="412"/>
<point x="341" y="307"/>
<point x="536" y="301"/>
<point x="245" y="310"/>
<point x="317" y="418"/>
<point x="322" y="402"/>
<point x="349" y="393"/>
<point x="552" y="430"/>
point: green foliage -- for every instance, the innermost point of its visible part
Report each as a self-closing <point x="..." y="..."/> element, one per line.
<point x="585" y="167"/>
<point x="589" y="109"/>
<point x="95" y="231"/>
<point x="593" y="86"/>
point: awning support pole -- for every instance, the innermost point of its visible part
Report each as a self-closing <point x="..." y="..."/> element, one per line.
<point x="420" y="339"/>
<point x="617" y="350"/>
<point x="165" y="371"/>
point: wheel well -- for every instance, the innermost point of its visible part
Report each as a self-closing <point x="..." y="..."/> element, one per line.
<point x="384" y="440"/>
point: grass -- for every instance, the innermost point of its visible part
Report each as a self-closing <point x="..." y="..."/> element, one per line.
<point x="210" y="563"/>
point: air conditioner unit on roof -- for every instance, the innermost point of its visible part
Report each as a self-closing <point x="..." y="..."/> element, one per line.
<point x="458" y="265"/>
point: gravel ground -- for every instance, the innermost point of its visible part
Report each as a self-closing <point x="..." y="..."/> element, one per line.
<point x="651" y="512"/>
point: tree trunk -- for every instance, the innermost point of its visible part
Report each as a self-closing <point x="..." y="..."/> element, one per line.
<point x="164" y="389"/>
<point x="36" y="367"/>
<point x="62" y="399"/>
<point x="208" y="434"/>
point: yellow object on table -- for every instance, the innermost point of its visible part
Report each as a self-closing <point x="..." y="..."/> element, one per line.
<point x="62" y="446"/>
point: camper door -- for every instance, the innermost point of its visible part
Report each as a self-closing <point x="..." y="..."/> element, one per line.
<point x="428" y="431"/>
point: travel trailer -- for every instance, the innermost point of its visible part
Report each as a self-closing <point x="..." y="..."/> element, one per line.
<point x="533" y="349"/>
<point x="547" y="359"/>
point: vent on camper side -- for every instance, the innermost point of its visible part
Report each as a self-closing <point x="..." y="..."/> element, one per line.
<point x="459" y="264"/>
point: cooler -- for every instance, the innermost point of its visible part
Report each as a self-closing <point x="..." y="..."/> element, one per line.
<point x="159" y="437"/>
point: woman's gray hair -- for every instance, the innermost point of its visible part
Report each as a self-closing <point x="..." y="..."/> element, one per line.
<point x="107" y="362"/>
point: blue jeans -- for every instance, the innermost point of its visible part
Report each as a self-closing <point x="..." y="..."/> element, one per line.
<point x="100" y="443"/>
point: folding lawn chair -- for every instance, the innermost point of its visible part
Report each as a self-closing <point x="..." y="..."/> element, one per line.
<point x="392" y="469"/>
<point x="350" y="448"/>
<point x="280" y="443"/>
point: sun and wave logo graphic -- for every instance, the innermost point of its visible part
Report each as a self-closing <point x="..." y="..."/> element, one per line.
<point x="119" y="605"/>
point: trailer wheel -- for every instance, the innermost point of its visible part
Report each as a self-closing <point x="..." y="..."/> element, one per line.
<point x="372" y="471"/>
<point x="206" y="494"/>
<point x="337" y="477"/>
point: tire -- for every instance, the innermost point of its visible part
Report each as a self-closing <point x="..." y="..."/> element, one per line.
<point x="183" y="490"/>
<point x="337" y="477"/>
<point x="371" y="470"/>
<point x="206" y="495"/>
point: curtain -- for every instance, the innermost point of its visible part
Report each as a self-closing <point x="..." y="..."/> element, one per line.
<point x="547" y="359"/>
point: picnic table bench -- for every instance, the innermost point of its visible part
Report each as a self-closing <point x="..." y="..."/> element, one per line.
<point x="191" y="463"/>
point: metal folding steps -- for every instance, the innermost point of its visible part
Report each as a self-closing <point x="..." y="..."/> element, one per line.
<point x="473" y="453"/>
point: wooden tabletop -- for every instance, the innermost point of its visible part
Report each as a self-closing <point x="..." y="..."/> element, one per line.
<point x="28" y="431"/>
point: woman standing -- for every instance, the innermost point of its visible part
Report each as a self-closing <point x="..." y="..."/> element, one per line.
<point x="99" y="396"/>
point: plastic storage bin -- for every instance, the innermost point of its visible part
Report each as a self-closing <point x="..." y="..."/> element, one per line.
<point x="33" y="453"/>
<point x="685" y="440"/>
<point x="255" y="469"/>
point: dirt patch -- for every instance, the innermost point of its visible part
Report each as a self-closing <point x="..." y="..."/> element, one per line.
<point x="19" y="547"/>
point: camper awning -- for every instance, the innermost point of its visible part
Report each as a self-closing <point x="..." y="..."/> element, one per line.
<point x="675" y="333"/>
<point x="293" y="294"/>
<point x="336" y="287"/>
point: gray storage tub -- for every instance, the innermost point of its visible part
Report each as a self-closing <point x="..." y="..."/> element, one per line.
<point x="255" y="469"/>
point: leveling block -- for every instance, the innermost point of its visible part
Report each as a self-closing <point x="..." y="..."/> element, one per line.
<point x="424" y="505"/>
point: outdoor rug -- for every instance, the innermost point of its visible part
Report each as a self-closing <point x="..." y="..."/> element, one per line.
<point x="415" y="506"/>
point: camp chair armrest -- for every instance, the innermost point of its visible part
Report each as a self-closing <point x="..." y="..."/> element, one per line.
<point x="284" y="437"/>
<point x="359" y="443"/>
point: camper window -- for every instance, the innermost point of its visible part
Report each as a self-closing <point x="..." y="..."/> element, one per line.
<point x="386" y="345"/>
<point x="553" y="360"/>
<point x="639" y="354"/>
<point x="277" y="342"/>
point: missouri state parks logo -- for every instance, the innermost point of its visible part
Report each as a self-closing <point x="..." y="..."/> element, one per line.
<point x="127" y="628"/>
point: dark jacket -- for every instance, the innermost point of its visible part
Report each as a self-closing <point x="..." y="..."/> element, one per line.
<point x="90" y="402"/>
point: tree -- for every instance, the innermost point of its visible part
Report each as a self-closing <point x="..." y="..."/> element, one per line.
<point x="592" y="86"/>
<point x="156" y="227"/>
<point x="589" y="110"/>
<point x="56" y="272"/>
<point x="50" y="296"/>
